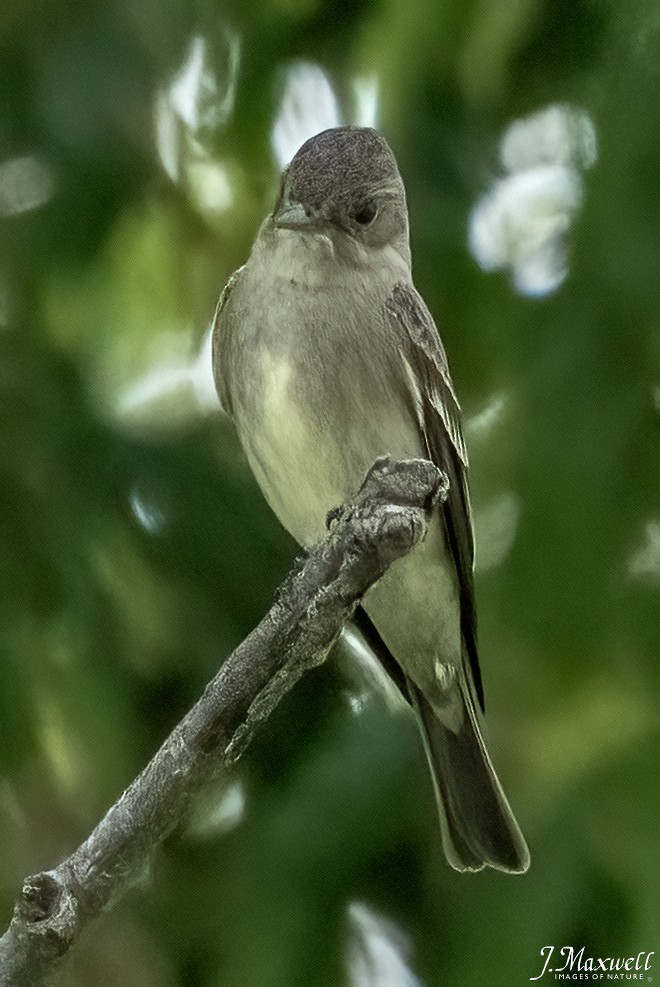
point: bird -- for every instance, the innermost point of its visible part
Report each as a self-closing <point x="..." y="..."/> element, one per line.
<point x="327" y="358"/>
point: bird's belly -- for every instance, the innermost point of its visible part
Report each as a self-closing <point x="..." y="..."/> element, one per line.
<point x="415" y="608"/>
<point x="310" y="447"/>
<point x="296" y="464"/>
<point x="307" y="464"/>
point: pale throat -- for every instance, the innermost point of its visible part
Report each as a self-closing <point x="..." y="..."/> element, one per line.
<point x="318" y="259"/>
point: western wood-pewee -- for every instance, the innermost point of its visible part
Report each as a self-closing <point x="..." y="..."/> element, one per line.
<point x="327" y="358"/>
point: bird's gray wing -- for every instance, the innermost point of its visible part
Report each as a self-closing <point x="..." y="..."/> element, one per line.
<point x="221" y="330"/>
<point x="439" y="416"/>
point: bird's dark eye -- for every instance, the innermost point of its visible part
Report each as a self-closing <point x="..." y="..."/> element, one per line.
<point x="366" y="212"/>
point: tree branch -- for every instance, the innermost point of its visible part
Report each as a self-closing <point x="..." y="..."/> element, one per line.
<point x="383" y="522"/>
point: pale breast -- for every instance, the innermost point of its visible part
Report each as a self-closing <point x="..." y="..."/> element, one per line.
<point x="298" y="467"/>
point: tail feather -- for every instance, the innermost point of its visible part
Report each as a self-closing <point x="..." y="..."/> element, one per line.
<point x="478" y="826"/>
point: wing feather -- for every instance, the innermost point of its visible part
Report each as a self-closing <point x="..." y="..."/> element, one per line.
<point x="221" y="331"/>
<point x="439" y="415"/>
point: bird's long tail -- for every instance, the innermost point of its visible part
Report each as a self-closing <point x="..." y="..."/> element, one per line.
<point x="478" y="826"/>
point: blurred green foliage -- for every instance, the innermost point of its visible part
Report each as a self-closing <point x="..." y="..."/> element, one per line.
<point x="136" y="551"/>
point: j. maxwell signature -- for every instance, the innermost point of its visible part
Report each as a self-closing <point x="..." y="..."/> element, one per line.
<point x="570" y="963"/>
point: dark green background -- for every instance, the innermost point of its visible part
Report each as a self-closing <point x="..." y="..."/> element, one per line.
<point x="108" y="631"/>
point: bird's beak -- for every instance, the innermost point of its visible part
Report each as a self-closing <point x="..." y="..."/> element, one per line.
<point x="292" y="216"/>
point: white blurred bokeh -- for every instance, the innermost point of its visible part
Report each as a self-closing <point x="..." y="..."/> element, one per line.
<point x="197" y="101"/>
<point x="496" y="526"/>
<point x="176" y="378"/>
<point x="479" y="425"/>
<point x="644" y="563"/>
<point x="521" y="223"/>
<point x="25" y="183"/>
<point x="378" y="951"/>
<point x="495" y="520"/>
<point x="221" y="809"/>
<point x="309" y="105"/>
